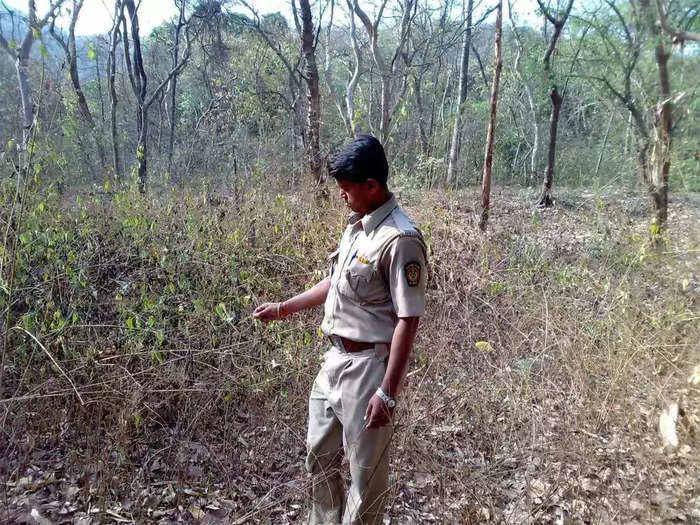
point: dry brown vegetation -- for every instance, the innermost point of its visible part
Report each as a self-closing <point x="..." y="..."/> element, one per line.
<point x="551" y="346"/>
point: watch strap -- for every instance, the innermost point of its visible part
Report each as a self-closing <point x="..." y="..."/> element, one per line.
<point x="389" y="401"/>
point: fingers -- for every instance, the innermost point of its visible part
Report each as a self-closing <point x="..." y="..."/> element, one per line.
<point x="260" y="309"/>
<point x="377" y="414"/>
<point x="265" y="312"/>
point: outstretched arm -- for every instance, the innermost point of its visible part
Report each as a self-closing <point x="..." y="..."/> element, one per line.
<point x="313" y="297"/>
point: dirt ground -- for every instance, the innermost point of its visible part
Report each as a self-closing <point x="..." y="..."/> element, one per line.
<point x="516" y="436"/>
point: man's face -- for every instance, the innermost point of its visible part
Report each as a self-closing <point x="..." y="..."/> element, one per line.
<point x="357" y="195"/>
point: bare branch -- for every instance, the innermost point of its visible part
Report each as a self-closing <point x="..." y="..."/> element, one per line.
<point x="621" y="18"/>
<point x="558" y="24"/>
<point x="677" y="35"/>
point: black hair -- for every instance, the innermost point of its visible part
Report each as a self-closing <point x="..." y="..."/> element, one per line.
<point x="361" y="159"/>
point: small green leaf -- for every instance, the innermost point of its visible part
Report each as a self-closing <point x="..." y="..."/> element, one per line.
<point x="484" y="346"/>
<point x="220" y="310"/>
<point x="130" y="323"/>
<point x="44" y="52"/>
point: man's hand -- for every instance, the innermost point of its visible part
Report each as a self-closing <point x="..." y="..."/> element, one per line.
<point x="267" y="312"/>
<point x="377" y="413"/>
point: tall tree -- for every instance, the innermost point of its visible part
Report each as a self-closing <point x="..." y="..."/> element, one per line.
<point x="488" y="153"/>
<point x="291" y="65"/>
<point x="622" y="39"/>
<point x="114" y="38"/>
<point x="313" y="120"/>
<point x="529" y="91"/>
<point x="554" y="96"/>
<point x="662" y="124"/>
<point x="388" y="71"/>
<point x="70" y="52"/>
<point x="344" y="102"/>
<point x="20" y="53"/>
<point x="452" y="166"/>
<point x="172" y="86"/>
<point x="139" y="84"/>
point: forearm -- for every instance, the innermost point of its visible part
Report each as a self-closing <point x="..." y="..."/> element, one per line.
<point x="308" y="299"/>
<point x="401" y="344"/>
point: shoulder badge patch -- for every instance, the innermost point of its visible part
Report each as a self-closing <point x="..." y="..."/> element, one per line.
<point x="412" y="272"/>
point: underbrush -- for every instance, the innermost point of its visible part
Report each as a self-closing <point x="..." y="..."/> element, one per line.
<point x="136" y="384"/>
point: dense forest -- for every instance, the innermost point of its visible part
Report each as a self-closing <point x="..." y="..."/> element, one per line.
<point x="156" y="185"/>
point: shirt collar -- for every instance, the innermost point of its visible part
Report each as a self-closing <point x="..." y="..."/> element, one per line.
<point x="376" y="217"/>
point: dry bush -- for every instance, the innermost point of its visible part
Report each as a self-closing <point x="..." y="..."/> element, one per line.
<point x="550" y="346"/>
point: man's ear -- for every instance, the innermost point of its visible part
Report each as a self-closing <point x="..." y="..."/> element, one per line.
<point x="373" y="185"/>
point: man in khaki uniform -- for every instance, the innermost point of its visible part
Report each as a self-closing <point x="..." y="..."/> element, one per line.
<point x="374" y="295"/>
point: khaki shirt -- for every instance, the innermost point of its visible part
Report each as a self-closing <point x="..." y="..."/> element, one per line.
<point x="378" y="274"/>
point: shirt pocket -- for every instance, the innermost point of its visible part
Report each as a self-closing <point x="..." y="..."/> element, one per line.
<point x="363" y="284"/>
<point x="333" y="261"/>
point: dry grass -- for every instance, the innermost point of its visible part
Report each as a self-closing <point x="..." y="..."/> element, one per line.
<point x="192" y="411"/>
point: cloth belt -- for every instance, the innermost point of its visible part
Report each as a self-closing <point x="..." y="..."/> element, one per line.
<point x="349" y="346"/>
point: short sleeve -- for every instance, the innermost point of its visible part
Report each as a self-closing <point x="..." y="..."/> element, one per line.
<point x="405" y="264"/>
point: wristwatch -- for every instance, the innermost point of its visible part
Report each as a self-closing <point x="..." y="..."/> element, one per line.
<point x="389" y="401"/>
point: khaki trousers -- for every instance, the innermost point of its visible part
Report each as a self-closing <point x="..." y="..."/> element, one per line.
<point x="337" y="405"/>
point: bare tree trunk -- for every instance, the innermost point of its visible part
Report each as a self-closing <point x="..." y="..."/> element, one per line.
<point x="99" y="86"/>
<point x="529" y="90"/>
<point x="71" y="56"/>
<point x="661" y="152"/>
<point x="662" y="143"/>
<point x="488" y="154"/>
<point x="161" y="111"/>
<point x="313" y="152"/>
<point x="25" y="92"/>
<point x="643" y="146"/>
<point x="453" y="163"/>
<point x="21" y="55"/>
<point x="387" y="71"/>
<point x="602" y="148"/>
<point x="345" y="103"/>
<point x="173" y="86"/>
<point x="139" y="83"/>
<point x="111" y="73"/>
<point x="555" y="97"/>
<point x="628" y="129"/>
<point x="352" y="85"/>
<point x="534" y="155"/>
<point x="424" y="142"/>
